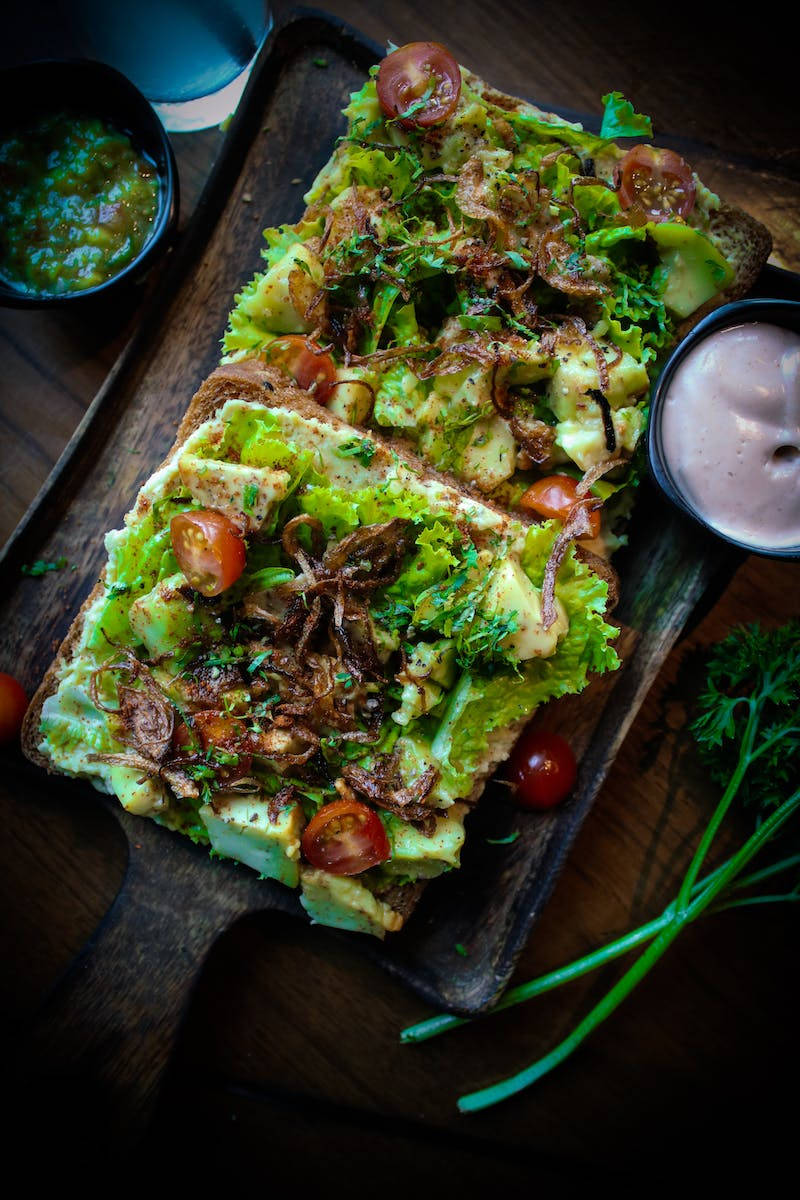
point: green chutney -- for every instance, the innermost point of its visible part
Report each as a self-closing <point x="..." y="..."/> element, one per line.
<point x="77" y="203"/>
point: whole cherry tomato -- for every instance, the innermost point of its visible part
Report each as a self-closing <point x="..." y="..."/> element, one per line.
<point x="542" y="769"/>
<point x="13" y="704"/>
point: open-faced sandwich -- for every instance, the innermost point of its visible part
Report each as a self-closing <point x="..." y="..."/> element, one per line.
<point x="323" y="624"/>
<point x="492" y="282"/>
<point x="309" y="652"/>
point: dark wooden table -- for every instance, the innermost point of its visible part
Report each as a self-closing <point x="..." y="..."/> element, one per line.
<point x="288" y="1066"/>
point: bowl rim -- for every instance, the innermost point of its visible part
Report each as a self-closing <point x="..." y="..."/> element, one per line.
<point x="775" y="311"/>
<point x="142" y="117"/>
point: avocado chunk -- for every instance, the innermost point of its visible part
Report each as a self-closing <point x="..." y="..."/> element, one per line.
<point x="246" y="495"/>
<point x="345" y="903"/>
<point x="351" y="399"/>
<point x="510" y="591"/>
<point x="239" y="827"/>
<point x="584" y="441"/>
<point x="422" y="857"/>
<point x="142" y="796"/>
<point x="164" y="619"/>
<point x="696" y="269"/>
<point x="285" y="291"/>
<point x="429" y="669"/>
<point x="577" y="375"/>
<point x="490" y="455"/>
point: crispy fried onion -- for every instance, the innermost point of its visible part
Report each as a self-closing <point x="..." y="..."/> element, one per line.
<point x="609" y="432"/>
<point x="286" y="740"/>
<point x="471" y="195"/>
<point x="454" y="357"/>
<point x="145" y="722"/>
<point x="392" y="353"/>
<point x="421" y="185"/>
<point x="592" y="474"/>
<point x="144" y="716"/>
<point x="559" y="265"/>
<point x="309" y="693"/>
<point x="384" y="787"/>
<point x="573" y="329"/>
<point x="281" y="800"/>
<point x="334" y="586"/>
<point x="536" y="437"/>
<point x="576" y="525"/>
<point x="603" y="568"/>
<point x="519" y="204"/>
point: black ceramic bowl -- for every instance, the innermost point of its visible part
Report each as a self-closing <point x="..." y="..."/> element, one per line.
<point x="785" y="313"/>
<point x="98" y="91"/>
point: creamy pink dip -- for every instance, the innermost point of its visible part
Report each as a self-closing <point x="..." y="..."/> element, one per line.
<point x="731" y="433"/>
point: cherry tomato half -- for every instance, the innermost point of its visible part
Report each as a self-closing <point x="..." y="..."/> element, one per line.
<point x="309" y="367"/>
<point x="13" y="703"/>
<point x="657" y="183"/>
<point x="209" y="549"/>
<point x="183" y="738"/>
<point x="345" y="838"/>
<point x="542" y="769"/>
<point x="554" y="496"/>
<point x="220" y="732"/>
<point x="421" y="73"/>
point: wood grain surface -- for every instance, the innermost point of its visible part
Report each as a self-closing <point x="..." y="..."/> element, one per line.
<point x="291" y="1043"/>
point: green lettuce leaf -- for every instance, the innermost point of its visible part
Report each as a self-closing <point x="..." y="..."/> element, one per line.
<point x="478" y="705"/>
<point x="619" y="119"/>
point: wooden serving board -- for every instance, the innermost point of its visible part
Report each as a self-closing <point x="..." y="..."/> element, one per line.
<point x="119" y="1005"/>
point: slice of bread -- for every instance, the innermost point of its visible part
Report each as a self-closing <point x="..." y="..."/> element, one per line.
<point x="255" y="383"/>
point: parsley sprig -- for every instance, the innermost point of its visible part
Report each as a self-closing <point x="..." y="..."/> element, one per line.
<point x="40" y="567"/>
<point x="748" y="733"/>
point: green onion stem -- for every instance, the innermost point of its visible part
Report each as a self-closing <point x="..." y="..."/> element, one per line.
<point x="611" y="1001"/>
<point x="710" y="831"/>
<point x="443" y="1022"/>
<point x="509" y="1087"/>
<point x="749" y="901"/>
<point x="777" y="868"/>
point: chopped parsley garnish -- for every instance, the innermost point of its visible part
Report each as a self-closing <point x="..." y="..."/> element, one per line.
<point x="249" y="497"/>
<point x="257" y="661"/>
<point x="361" y="448"/>
<point x="40" y="567"/>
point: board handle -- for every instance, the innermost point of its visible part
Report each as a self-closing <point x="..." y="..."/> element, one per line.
<point x="94" y="1059"/>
